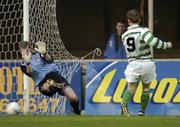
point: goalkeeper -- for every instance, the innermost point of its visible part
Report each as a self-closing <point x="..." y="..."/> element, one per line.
<point x="40" y="67"/>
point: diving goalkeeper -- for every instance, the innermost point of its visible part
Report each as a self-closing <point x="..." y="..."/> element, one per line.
<point x="40" y="67"/>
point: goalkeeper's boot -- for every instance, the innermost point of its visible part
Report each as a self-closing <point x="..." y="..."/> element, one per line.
<point x="75" y="107"/>
<point x="124" y="110"/>
<point x="141" y="113"/>
<point x="76" y="111"/>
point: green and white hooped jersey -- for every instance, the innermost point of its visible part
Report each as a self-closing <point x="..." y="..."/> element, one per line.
<point x="137" y="41"/>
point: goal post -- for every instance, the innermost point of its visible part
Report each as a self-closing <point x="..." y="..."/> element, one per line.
<point x="151" y="15"/>
<point x="151" y="19"/>
<point x="26" y="93"/>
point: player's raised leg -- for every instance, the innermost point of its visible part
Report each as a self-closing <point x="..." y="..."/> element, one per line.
<point x="70" y="94"/>
<point x="53" y="83"/>
<point x="144" y="98"/>
<point x="127" y="97"/>
<point x="50" y="87"/>
<point x="65" y="89"/>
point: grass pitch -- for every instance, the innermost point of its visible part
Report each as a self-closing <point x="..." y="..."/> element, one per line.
<point x="88" y="121"/>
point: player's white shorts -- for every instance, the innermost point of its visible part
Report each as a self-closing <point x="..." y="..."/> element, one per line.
<point x="140" y="70"/>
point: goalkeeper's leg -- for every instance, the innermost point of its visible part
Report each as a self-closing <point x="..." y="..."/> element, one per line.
<point x="70" y="94"/>
<point x="50" y="87"/>
<point x="54" y="83"/>
<point x="127" y="97"/>
<point x="65" y="89"/>
<point x="144" y="99"/>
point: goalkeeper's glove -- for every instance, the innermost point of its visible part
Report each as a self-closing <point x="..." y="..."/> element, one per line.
<point x="41" y="47"/>
<point x="26" y="57"/>
<point x="169" y="45"/>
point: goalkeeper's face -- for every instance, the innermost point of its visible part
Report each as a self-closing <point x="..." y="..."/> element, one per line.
<point x="25" y="51"/>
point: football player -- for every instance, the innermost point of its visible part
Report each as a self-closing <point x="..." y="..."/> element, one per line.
<point x="137" y="41"/>
<point x="45" y="73"/>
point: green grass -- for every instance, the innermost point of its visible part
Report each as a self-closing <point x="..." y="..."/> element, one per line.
<point x="88" y="121"/>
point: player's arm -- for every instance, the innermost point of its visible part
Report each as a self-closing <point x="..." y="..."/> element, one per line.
<point x="25" y="66"/>
<point x="41" y="48"/>
<point x="26" y="69"/>
<point x="148" y="37"/>
<point x="109" y="52"/>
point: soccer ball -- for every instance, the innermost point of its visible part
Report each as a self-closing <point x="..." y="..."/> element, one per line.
<point x="13" y="108"/>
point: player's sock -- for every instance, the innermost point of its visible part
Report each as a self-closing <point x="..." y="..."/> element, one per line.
<point x="144" y="100"/>
<point x="127" y="96"/>
<point x="75" y="106"/>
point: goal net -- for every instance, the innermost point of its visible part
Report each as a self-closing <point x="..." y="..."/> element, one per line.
<point x="42" y="27"/>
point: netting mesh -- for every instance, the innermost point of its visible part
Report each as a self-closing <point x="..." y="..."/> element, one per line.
<point x="43" y="27"/>
<point x="11" y="28"/>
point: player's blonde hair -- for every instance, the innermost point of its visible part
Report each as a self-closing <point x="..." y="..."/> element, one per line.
<point x="134" y="16"/>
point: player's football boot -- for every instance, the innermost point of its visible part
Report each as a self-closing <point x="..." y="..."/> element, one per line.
<point x="141" y="113"/>
<point x="76" y="111"/>
<point x="124" y="110"/>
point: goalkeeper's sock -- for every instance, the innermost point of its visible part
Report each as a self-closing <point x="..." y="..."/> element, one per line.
<point x="75" y="106"/>
<point x="144" y="100"/>
<point x="127" y="96"/>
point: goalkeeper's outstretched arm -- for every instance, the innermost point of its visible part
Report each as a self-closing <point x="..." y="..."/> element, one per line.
<point x="26" y="69"/>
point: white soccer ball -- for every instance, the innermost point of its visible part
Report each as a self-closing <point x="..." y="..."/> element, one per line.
<point x="13" y="108"/>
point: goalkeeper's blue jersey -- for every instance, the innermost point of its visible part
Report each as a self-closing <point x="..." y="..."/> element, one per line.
<point x="41" y="67"/>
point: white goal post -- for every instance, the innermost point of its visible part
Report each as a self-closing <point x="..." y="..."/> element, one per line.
<point x="151" y="19"/>
<point x="26" y="94"/>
